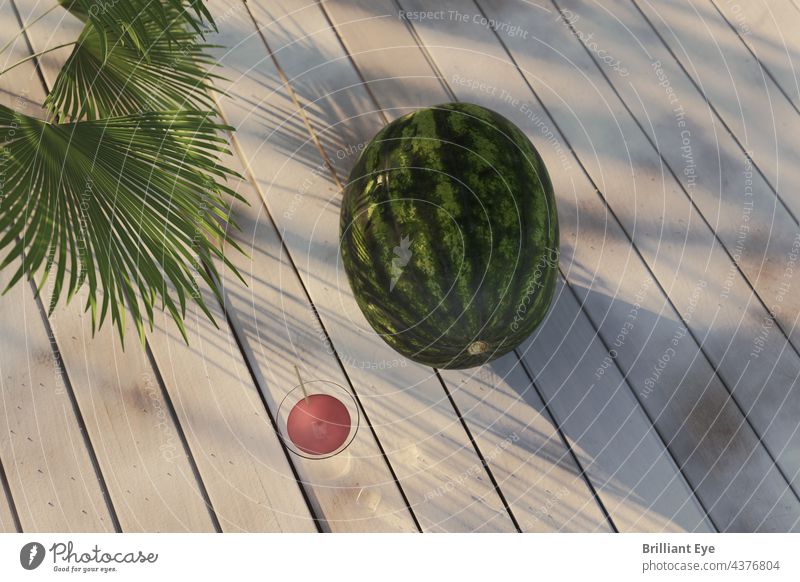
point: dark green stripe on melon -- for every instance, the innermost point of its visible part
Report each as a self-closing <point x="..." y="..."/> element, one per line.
<point x="471" y="194"/>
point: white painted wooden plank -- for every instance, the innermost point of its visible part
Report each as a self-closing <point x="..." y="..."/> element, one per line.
<point x="150" y="478"/>
<point x="686" y="394"/>
<point x="747" y="101"/>
<point x="244" y="468"/>
<point x="250" y="481"/>
<point x="750" y="354"/>
<point x="772" y="31"/>
<point x="389" y="86"/>
<point x="265" y="502"/>
<point x="641" y="487"/>
<point x="535" y="471"/>
<point x="275" y="322"/>
<point x="7" y="522"/>
<point x="47" y="461"/>
<point x="748" y="219"/>
<point x="594" y="246"/>
<point x="416" y="425"/>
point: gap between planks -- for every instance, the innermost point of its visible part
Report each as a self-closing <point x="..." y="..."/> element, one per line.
<point x="756" y="409"/>
<point x="188" y="516"/>
<point x="569" y="453"/>
<point x="676" y="472"/>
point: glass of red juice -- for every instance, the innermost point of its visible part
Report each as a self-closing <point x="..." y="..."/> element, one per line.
<point x="318" y="419"/>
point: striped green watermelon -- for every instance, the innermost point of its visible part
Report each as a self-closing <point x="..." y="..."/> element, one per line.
<point x="449" y="235"/>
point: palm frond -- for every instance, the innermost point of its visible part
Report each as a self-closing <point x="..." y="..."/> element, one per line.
<point x="120" y="81"/>
<point x="134" y="206"/>
<point x="128" y="19"/>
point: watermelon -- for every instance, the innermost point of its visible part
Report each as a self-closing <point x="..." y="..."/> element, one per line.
<point x="449" y="235"/>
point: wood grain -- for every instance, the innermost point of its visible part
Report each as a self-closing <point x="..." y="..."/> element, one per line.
<point x="276" y="324"/>
<point x="568" y="309"/>
<point x="761" y="123"/>
<point x="770" y="30"/>
<point x="416" y="424"/>
<point x="8" y="522"/>
<point x="660" y="388"/>
<point x="745" y="98"/>
<point x="533" y="467"/>
<point x="150" y="478"/>
<point x="714" y="299"/>
<point x="250" y="482"/>
<point x="49" y="467"/>
<point x="46" y="458"/>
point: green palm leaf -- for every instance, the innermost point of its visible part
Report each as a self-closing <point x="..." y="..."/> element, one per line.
<point x="134" y="206"/>
<point x="120" y="81"/>
<point x="128" y="19"/>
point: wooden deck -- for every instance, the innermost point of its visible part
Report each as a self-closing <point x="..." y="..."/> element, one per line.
<point x="661" y="393"/>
